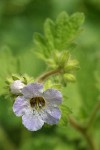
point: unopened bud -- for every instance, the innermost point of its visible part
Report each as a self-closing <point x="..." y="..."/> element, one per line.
<point x="64" y="58"/>
<point x="69" y="77"/>
<point x="72" y="65"/>
<point x="16" y="87"/>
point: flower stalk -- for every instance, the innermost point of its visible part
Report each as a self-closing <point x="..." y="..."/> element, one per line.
<point x="84" y="133"/>
<point x="93" y="115"/>
<point x="47" y="74"/>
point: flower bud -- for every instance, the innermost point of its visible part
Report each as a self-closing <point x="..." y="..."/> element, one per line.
<point x="69" y="77"/>
<point x="16" y="87"/>
<point x="72" y="65"/>
<point x="64" y="58"/>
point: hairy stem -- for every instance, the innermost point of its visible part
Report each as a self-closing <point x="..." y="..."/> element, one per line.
<point x="47" y="74"/>
<point x="93" y="115"/>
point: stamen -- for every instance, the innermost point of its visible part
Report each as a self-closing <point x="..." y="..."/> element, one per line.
<point x="37" y="102"/>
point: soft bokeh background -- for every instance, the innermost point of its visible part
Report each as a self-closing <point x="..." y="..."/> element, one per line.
<point x="19" y="19"/>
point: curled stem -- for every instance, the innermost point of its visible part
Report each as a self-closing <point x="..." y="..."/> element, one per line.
<point x="47" y="74"/>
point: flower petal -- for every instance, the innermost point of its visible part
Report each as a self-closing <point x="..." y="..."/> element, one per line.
<point x="51" y="116"/>
<point x="32" y="122"/>
<point x="33" y="89"/>
<point x="53" y="96"/>
<point x="20" y="106"/>
<point x="54" y="112"/>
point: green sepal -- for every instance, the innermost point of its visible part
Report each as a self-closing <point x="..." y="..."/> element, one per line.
<point x="61" y="58"/>
<point x="64" y="58"/>
<point x="58" y="59"/>
<point x="25" y="79"/>
<point x="69" y="77"/>
<point x="72" y="65"/>
<point x="65" y="111"/>
<point x="50" y="85"/>
<point x="15" y="77"/>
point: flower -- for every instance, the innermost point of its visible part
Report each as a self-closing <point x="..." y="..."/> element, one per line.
<point x="37" y="107"/>
<point x="16" y="87"/>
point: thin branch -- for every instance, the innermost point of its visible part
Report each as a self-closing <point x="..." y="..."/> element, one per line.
<point x="84" y="133"/>
<point x="47" y="74"/>
<point x="93" y="115"/>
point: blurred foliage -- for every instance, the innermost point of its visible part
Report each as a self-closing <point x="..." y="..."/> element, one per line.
<point x="18" y="21"/>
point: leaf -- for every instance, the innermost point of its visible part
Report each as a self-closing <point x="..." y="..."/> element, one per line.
<point x="61" y="28"/>
<point x="49" y="32"/>
<point x="64" y="117"/>
<point x="58" y="35"/>
<point x="67" y="28"/>
<point x="41" y="44"/>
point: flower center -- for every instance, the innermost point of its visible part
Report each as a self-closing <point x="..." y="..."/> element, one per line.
<point x="37" y="102"/>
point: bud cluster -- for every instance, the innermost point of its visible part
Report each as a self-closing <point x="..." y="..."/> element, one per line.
<point x="63" y="61"/>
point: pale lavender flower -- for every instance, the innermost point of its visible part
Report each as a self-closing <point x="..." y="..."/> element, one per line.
<point x="16" y="87"/>
<point x="37" y="107"/>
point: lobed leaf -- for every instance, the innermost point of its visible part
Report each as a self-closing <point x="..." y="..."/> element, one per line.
<point x="59" y="34"/>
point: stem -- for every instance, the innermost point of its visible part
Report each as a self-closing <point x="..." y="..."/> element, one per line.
<point x="47" y="74"/>
<point x="93" y="115"/>
<point x="84" y="132"/>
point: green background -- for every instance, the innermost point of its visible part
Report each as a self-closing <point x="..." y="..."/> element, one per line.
<point x="19" y="19"/>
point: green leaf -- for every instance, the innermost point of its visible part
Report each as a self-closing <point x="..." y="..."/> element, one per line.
<point x="41" y="44"/>
<point x="49" y="32"/>
<point x="61" y="22"/>
<point x="77" y="20"/>
<point x="67" y="28"/>
<point x="65" y="111"/>
<point x="58" y="35"/>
